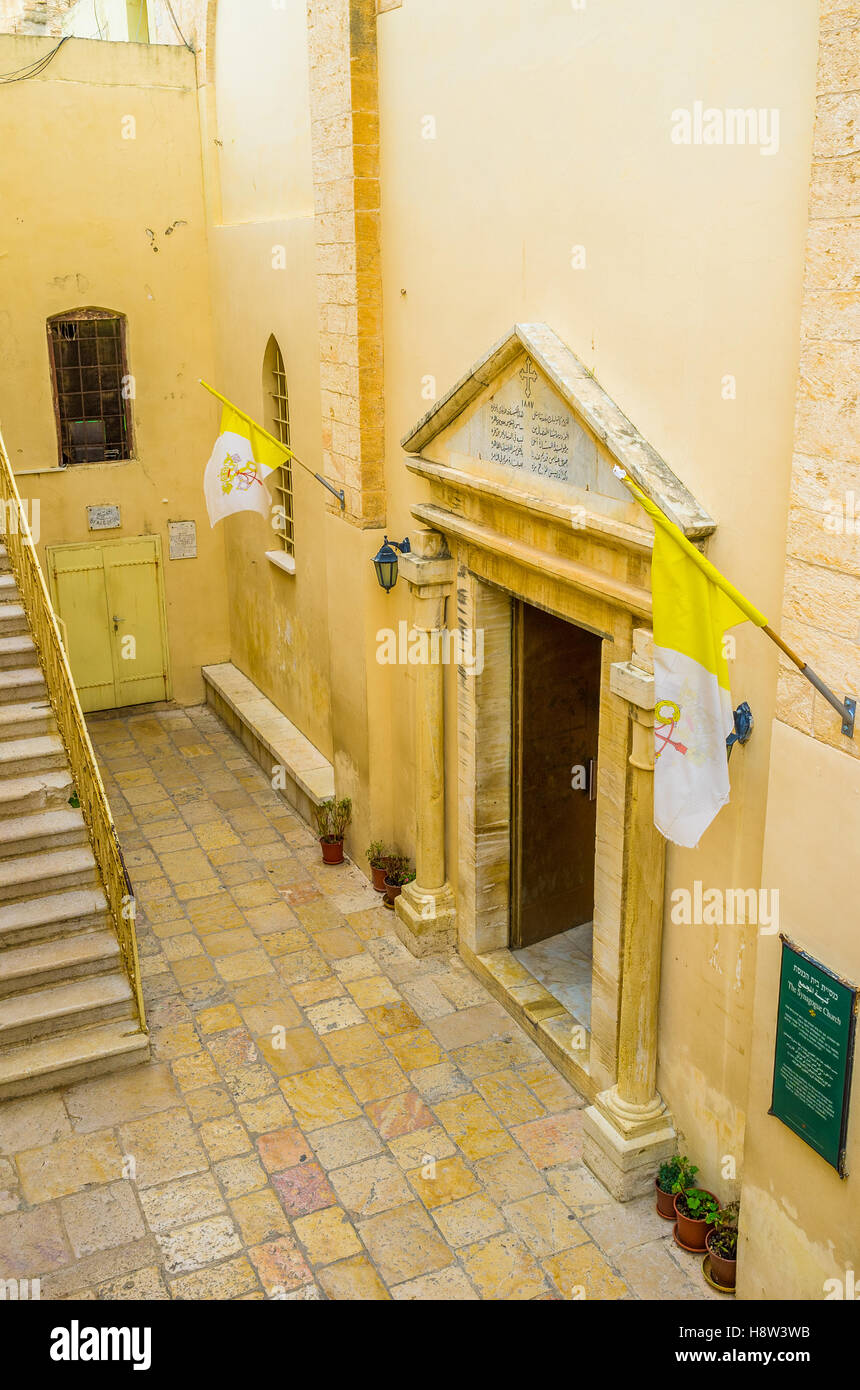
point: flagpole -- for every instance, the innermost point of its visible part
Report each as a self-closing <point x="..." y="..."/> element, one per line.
<point x="846" y="708"/>
<point x="284" y="448"/>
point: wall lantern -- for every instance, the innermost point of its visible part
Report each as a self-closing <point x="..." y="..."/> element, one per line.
<point x="385" y="561"/>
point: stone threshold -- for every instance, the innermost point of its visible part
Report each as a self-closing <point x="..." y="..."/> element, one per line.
<point x="538" y="1013"/>
<point x="271" y="739"/>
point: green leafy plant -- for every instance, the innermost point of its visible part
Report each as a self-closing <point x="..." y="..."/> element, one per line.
<point x="685" y="1175"/>
<point x="398" y="869"/>
<point x="74" y="800"/>
<point x="668" y="1173"/>
<point x="332" y="818"/>
<point x="723" y="1240"/>
<point x="698" y="1205"/>
<point x="376" y="854"/>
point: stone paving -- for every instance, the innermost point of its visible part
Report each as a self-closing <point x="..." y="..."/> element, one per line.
<point x="324" y="1117"/>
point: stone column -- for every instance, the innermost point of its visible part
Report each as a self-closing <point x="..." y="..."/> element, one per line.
<point x="424" y="911"/>
<point x="628" y="1131"/>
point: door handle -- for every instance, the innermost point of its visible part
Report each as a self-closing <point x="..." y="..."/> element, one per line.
<point x="591" y="780"/>
<point x="116" y="622"/>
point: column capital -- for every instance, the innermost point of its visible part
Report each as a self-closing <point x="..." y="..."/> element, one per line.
<point x="429" y="571"/>
<point x="633" y="681"/>
<point x="428" y="568"/>
<point x="633" y="685"/>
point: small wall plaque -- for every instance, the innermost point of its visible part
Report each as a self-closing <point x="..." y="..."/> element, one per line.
<point x="816" y="1021"/>
<point x="103" y="518"/>
<point x="183" y="540"/>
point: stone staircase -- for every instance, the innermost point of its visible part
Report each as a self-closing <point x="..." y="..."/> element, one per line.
<point x="67" y="1010"/>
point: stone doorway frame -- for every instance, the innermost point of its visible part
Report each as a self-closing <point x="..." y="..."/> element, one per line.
<point x="587" y="1056"/>
<point x="613" y="1062"/>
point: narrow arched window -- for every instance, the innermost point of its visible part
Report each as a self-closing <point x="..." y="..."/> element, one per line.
<point x="277" y="422"/>
<point x="92" y="387"/>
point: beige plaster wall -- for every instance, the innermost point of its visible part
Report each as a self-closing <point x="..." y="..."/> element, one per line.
<point x="792" y="1200"/>
<point x="80" y="202"/>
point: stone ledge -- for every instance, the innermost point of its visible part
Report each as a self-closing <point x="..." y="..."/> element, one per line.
<point x="270" y="737"/>
<point x="281" y="560"/>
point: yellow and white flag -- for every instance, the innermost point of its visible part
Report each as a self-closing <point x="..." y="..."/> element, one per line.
<point x="693" y="607"/>
<point x="243" y="456"/>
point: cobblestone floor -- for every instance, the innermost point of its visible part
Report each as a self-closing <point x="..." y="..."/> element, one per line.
<point x="406" y="1141"/>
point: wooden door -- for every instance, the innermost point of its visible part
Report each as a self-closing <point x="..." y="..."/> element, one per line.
<point x="554" y="764"/>
<point x="110" y="599"/>
<point x="135" y="604"/>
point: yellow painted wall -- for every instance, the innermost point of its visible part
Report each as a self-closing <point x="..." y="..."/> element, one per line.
<point x="793" y="1201"/>
<point x="80" y="203"/>
<point x="810" y="854"/>
<point x="307" y="639"/>
<point x="552" y="130"/>
<point x="263" y="283"/>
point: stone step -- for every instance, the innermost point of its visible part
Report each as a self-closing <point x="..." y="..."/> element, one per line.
<point x="16" y="652"/>
<point x="8" y="588"/>
<point x="23" y="683"/>
<point x="13" y="619"/>
<point x="52" y="915"/>
<point x="24" y="756"/>
<point x="22" y="719"/>
<point x="75" y="1004"/>
<point x="76" y="1055"/>
<point x="18" y="795"/>
<point x="41" y="830"/>
<point x="49" y="962"/>
<point x="35" y="874"/>
<point x="5" y="563"/>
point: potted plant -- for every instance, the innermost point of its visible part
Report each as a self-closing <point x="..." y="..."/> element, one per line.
<point x="696" y="1210"/>
<point x="377" y="858"/>
<point x="677" y="1169"/>
<point x="332" y="818"/>
<point x="397" y="872"/>
<point x="722" y="1246"/>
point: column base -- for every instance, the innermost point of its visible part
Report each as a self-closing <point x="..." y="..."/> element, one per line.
<point x="625" y="1144"/>
<point x="425" y="919"/>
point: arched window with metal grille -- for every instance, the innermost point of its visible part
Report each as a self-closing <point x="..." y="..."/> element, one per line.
<point x="277" y="422"/>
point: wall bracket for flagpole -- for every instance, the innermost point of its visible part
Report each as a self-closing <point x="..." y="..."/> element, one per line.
<point x="847" y="708"/>
<point x="335" y="492"/>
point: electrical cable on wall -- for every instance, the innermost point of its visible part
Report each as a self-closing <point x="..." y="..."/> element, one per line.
<point x="177" y="28"/>
<point x="35" y="68"/>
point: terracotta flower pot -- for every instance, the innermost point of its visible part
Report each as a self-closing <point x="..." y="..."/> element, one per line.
<point x="691" y="1233"/>
<point x="392" y="891"/>
<point x="332" y="851"/>
<point x="724" y="1271"/>
<point x="665" y="1203"/>
<point x="378" y="876"/>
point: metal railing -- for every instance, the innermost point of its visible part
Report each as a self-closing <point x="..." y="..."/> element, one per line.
<point x="71" y="726"/>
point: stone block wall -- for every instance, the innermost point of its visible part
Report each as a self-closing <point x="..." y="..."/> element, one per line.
<point x="345" y="142"/>
<point x="821" y="606"/>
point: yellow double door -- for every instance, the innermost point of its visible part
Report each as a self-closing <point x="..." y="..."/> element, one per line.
<point x="110" y="599"/>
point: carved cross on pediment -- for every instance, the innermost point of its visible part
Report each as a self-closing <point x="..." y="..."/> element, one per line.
<point x="527" y="376"/>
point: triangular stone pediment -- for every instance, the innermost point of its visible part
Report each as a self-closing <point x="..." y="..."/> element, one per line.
<point x="531" y="414"/>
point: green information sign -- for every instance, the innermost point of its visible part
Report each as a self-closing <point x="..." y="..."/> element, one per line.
<point x="814" y="1055"/>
